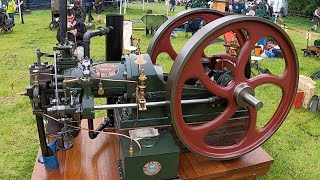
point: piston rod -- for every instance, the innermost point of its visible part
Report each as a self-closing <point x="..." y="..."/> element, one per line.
<point x="151" y="104"/>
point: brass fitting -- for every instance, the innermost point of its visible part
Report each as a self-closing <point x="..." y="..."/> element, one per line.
<point x="141" y="91"/>
<point x="36" y="77"/>
<point x="131" y="150"/>
<point x="100" y="90"/>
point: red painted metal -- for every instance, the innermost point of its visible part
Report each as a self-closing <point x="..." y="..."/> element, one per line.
<point x="161" y="40"/>
<point x="188" y="65"/>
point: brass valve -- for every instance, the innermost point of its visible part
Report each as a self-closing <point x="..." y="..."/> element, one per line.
<point x="100" y="90"/>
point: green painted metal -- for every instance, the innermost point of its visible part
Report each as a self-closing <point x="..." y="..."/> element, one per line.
<point x="66" y="61"/>
<point x="316" y="42"/>
<point x="158" y="162"/>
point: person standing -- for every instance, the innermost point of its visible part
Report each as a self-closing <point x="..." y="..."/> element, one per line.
<point x="281" y="14"/>
<point x="78" y="10"/>
<point x="88" y="9"/>
<point x="316" y="15"/>
<point x="173" y="5"/>
<point x="98" y="6"/>
<point x="245" y="7"/>
<point x="11" y="9"/>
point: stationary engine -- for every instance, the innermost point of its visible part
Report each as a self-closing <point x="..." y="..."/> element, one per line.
<point x="201" y="97"/>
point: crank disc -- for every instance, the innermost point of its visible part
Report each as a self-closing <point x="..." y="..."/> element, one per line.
<point x="161" y="39"/>
<point x="188" y="65"/>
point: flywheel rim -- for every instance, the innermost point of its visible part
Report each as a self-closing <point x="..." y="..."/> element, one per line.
<point x="183" y="65"/>
<point x="162" y="35"/>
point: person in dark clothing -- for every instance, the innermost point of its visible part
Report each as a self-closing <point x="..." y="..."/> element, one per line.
<point x="173" y="5"/>
<point x="316" y="19"/>
<point x="88" y="5"/>
<point x="281" y="14"/>
<point x="236" y="7"/>
<point x="78" y="11"/>
<point x="98" y="5"/>
<point x="75" y="32"/>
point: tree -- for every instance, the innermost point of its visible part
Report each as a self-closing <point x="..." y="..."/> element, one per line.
<point x="306" y="7"/>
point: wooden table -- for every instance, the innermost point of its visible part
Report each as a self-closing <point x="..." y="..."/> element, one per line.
<point x="97" y="159"/>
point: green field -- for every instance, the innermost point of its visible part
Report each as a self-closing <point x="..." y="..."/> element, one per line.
<point x="296" y="154"/>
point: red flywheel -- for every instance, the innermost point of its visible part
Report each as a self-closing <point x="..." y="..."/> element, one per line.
<point x="239" y="93"/>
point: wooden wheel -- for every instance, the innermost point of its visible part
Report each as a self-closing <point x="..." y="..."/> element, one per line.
<point x="239" y="93"/>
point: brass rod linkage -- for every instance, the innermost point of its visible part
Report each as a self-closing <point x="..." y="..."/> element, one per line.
<point x="86" y="129"/>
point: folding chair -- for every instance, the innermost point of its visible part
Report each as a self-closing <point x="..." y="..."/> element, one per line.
<point x="259" y="49"/>
<point x="127" y="37"/>
<point x="233" y="48"/>
<point x="231" y="45"/>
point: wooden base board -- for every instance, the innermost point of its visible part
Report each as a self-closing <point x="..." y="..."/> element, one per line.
<point x="97" y="159"/>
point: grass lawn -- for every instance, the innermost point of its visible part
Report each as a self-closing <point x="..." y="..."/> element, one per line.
<point x="296" y="154"/>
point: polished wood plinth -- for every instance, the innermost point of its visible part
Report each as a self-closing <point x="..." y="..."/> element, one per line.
<point x="97" y="159"/>
<point x="249" y="166"/>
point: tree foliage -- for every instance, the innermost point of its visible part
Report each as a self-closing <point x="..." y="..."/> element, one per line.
<point x="306" y="7"/>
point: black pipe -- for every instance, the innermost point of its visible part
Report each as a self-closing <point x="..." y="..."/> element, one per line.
<point x="89" y="34"/>
<point x="63" y="19"/>
<point x="103" y="125"/>
<point x="42" y="137"/>
<point x="92" y="135"/>
<point x="114" y="40"/>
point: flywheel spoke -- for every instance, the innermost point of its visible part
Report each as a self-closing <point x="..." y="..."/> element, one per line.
<point x="202" y="130"/>
<point x="267" y="78"/>
<point x="252" y="131"/>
